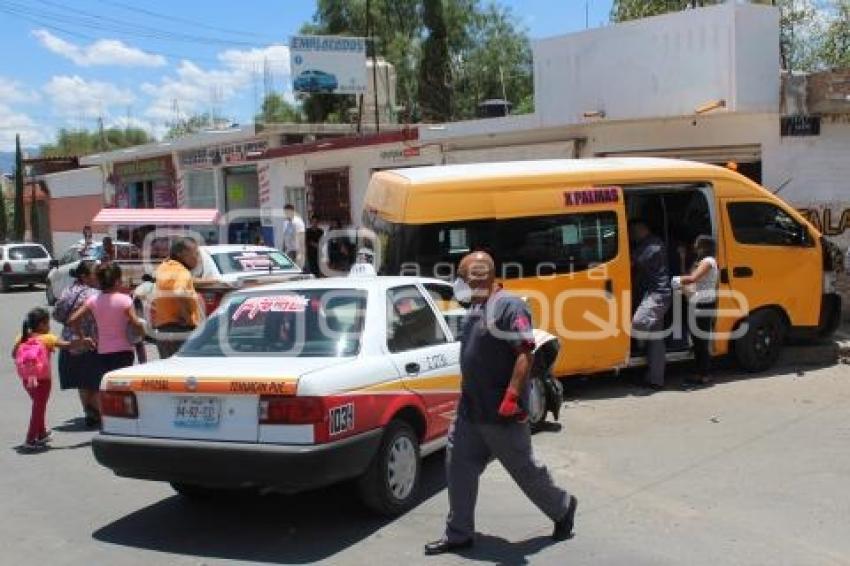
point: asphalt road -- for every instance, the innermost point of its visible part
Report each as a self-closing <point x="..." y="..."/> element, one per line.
<point x="754" y="470"/>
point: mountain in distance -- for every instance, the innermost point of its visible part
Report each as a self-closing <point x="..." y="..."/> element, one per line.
<point x="7" y="159"/>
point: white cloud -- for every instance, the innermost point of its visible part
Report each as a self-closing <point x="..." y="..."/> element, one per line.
<point x="196" y="89"/>
<point x="12" y="122"/>
<point x="74" y="97"/>
<point x="101" y="52"/>
<point x="13" y="91"/>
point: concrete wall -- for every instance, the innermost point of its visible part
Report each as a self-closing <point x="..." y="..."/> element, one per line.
<point x="290" y="172"/>
<point x="662" y="66"/>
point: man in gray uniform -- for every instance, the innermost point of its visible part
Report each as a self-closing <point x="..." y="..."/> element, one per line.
<point x="496" y="356"/>
<point x="652" y="289"/>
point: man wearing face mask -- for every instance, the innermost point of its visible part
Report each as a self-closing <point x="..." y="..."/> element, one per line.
<point x="491" y="422"/>
<point x="294" y="235"/>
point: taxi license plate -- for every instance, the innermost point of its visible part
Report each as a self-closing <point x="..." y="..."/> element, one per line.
<point x="197" y="412"/>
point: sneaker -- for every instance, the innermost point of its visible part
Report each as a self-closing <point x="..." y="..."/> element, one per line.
<point x="46" y="437"/>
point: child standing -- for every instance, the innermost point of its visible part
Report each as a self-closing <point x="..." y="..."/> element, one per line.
<point x="32" y="353"/>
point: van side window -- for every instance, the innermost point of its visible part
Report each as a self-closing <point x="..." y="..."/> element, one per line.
<point x="556" y="244"/>
<point x="765" y="224"/>
<point x="411" y="322"/>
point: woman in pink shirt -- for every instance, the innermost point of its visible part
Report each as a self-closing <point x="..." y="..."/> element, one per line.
<point x="113" y="312"/>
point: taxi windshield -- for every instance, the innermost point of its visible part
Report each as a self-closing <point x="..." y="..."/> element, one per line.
<point x="290" y="323"/>
<point x="237" y="262"/>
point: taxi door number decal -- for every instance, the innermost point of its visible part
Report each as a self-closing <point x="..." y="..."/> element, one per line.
<point x="341" y="419"/>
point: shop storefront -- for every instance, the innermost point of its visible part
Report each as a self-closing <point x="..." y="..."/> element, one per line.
<point x="143" y="184"/>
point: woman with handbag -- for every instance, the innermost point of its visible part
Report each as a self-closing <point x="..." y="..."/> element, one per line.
<point x="114" y="313"/>
<point x="75" y="363"/>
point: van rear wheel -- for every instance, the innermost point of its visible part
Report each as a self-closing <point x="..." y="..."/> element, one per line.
<point x="759" y="348"/>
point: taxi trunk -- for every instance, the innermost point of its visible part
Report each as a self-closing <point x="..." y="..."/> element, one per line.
<point x="212" y="399"/>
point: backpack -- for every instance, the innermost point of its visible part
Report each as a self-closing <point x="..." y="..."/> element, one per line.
<point x="32" y="360"/>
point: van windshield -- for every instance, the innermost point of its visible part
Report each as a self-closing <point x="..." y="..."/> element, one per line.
<point x="289" y="323"/>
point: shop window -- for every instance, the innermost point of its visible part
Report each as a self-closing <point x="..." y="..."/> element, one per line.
<point x="200" y="189"/>
<point x="765" y="224"/>
<point x="141" y="194"/>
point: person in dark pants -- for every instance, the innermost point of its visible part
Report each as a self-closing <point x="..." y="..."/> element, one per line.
<point x="75" y="363"/>
<point x="652" y="290"/>
<point x="703" y="305"/>
<point x="491" y="422"/>
<point x="314" y="239"/>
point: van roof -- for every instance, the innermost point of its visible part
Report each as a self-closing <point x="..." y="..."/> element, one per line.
<point x="445" y="193"/>
<point x="546" y="167"/>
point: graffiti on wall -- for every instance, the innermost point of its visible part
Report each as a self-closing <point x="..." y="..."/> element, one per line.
<point x="829" y="221"/>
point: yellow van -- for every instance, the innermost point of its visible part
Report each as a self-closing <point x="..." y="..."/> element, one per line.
<point x="559" y="232"/>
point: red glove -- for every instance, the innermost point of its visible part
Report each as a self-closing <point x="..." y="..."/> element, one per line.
<point x="509" y="407"/>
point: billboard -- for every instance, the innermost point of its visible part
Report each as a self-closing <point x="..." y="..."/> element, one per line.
<point x="329" y="64"/>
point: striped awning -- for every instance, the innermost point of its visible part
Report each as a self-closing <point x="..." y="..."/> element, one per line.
<point x="157" y="216"/>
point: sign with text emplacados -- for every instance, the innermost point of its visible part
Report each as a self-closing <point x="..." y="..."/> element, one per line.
<point x="328" y="64"/>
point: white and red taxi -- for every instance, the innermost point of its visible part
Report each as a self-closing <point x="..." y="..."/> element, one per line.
<point x="294" y="386"/>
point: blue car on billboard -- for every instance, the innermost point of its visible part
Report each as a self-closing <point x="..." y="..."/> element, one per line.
<point x="314" y="80"/>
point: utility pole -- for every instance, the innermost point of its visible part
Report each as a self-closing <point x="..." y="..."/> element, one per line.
<point x="371" y="41"/>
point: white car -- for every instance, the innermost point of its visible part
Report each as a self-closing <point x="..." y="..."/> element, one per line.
<point x="225" y="268"/>
<point x="23" y="264"/>
<point x="294" y="386"/>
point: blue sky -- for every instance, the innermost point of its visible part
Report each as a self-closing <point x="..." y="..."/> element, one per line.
<point x="66" y="62"/>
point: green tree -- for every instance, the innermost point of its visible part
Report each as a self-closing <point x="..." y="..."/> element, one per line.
<point x="835" y="41"/>
<point x="20" y="221"/>
<point x="84" y="142"/>
<point x="276" y="109"/>
<point x="435" y="73"/>
<point x="4" y="218"/>
<point x="481" y="40"/>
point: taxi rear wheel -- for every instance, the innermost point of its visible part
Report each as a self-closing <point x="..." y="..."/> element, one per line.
<point x="390" y="484"/>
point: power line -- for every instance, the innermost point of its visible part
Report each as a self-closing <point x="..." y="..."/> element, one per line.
<point x="80" y="35"/>
<point x="170" y="18"/>
<point x="88" y="20"/>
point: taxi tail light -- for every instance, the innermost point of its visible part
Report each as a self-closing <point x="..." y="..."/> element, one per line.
<point x="279" y="409"/>
<point x="120" y="404"/>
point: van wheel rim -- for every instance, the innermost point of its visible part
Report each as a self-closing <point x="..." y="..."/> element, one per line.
<point x="401" y="468"/>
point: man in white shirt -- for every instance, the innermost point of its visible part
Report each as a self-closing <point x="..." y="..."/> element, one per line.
<point x="293" y="235"/>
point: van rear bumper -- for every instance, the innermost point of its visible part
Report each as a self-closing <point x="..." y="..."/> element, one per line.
<point x="286" y="468"/>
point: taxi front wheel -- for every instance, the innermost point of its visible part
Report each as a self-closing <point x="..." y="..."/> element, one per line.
<point x="390" y="483"/>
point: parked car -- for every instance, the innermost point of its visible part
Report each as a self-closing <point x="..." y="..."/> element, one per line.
<point x="59" y="277"/>
<point x="225" y="268"/>
<point x="23" y="263"/>
<point x="314" y="80"/>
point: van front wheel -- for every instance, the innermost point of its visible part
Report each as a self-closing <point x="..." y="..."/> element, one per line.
<point x="759" y="347"/>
